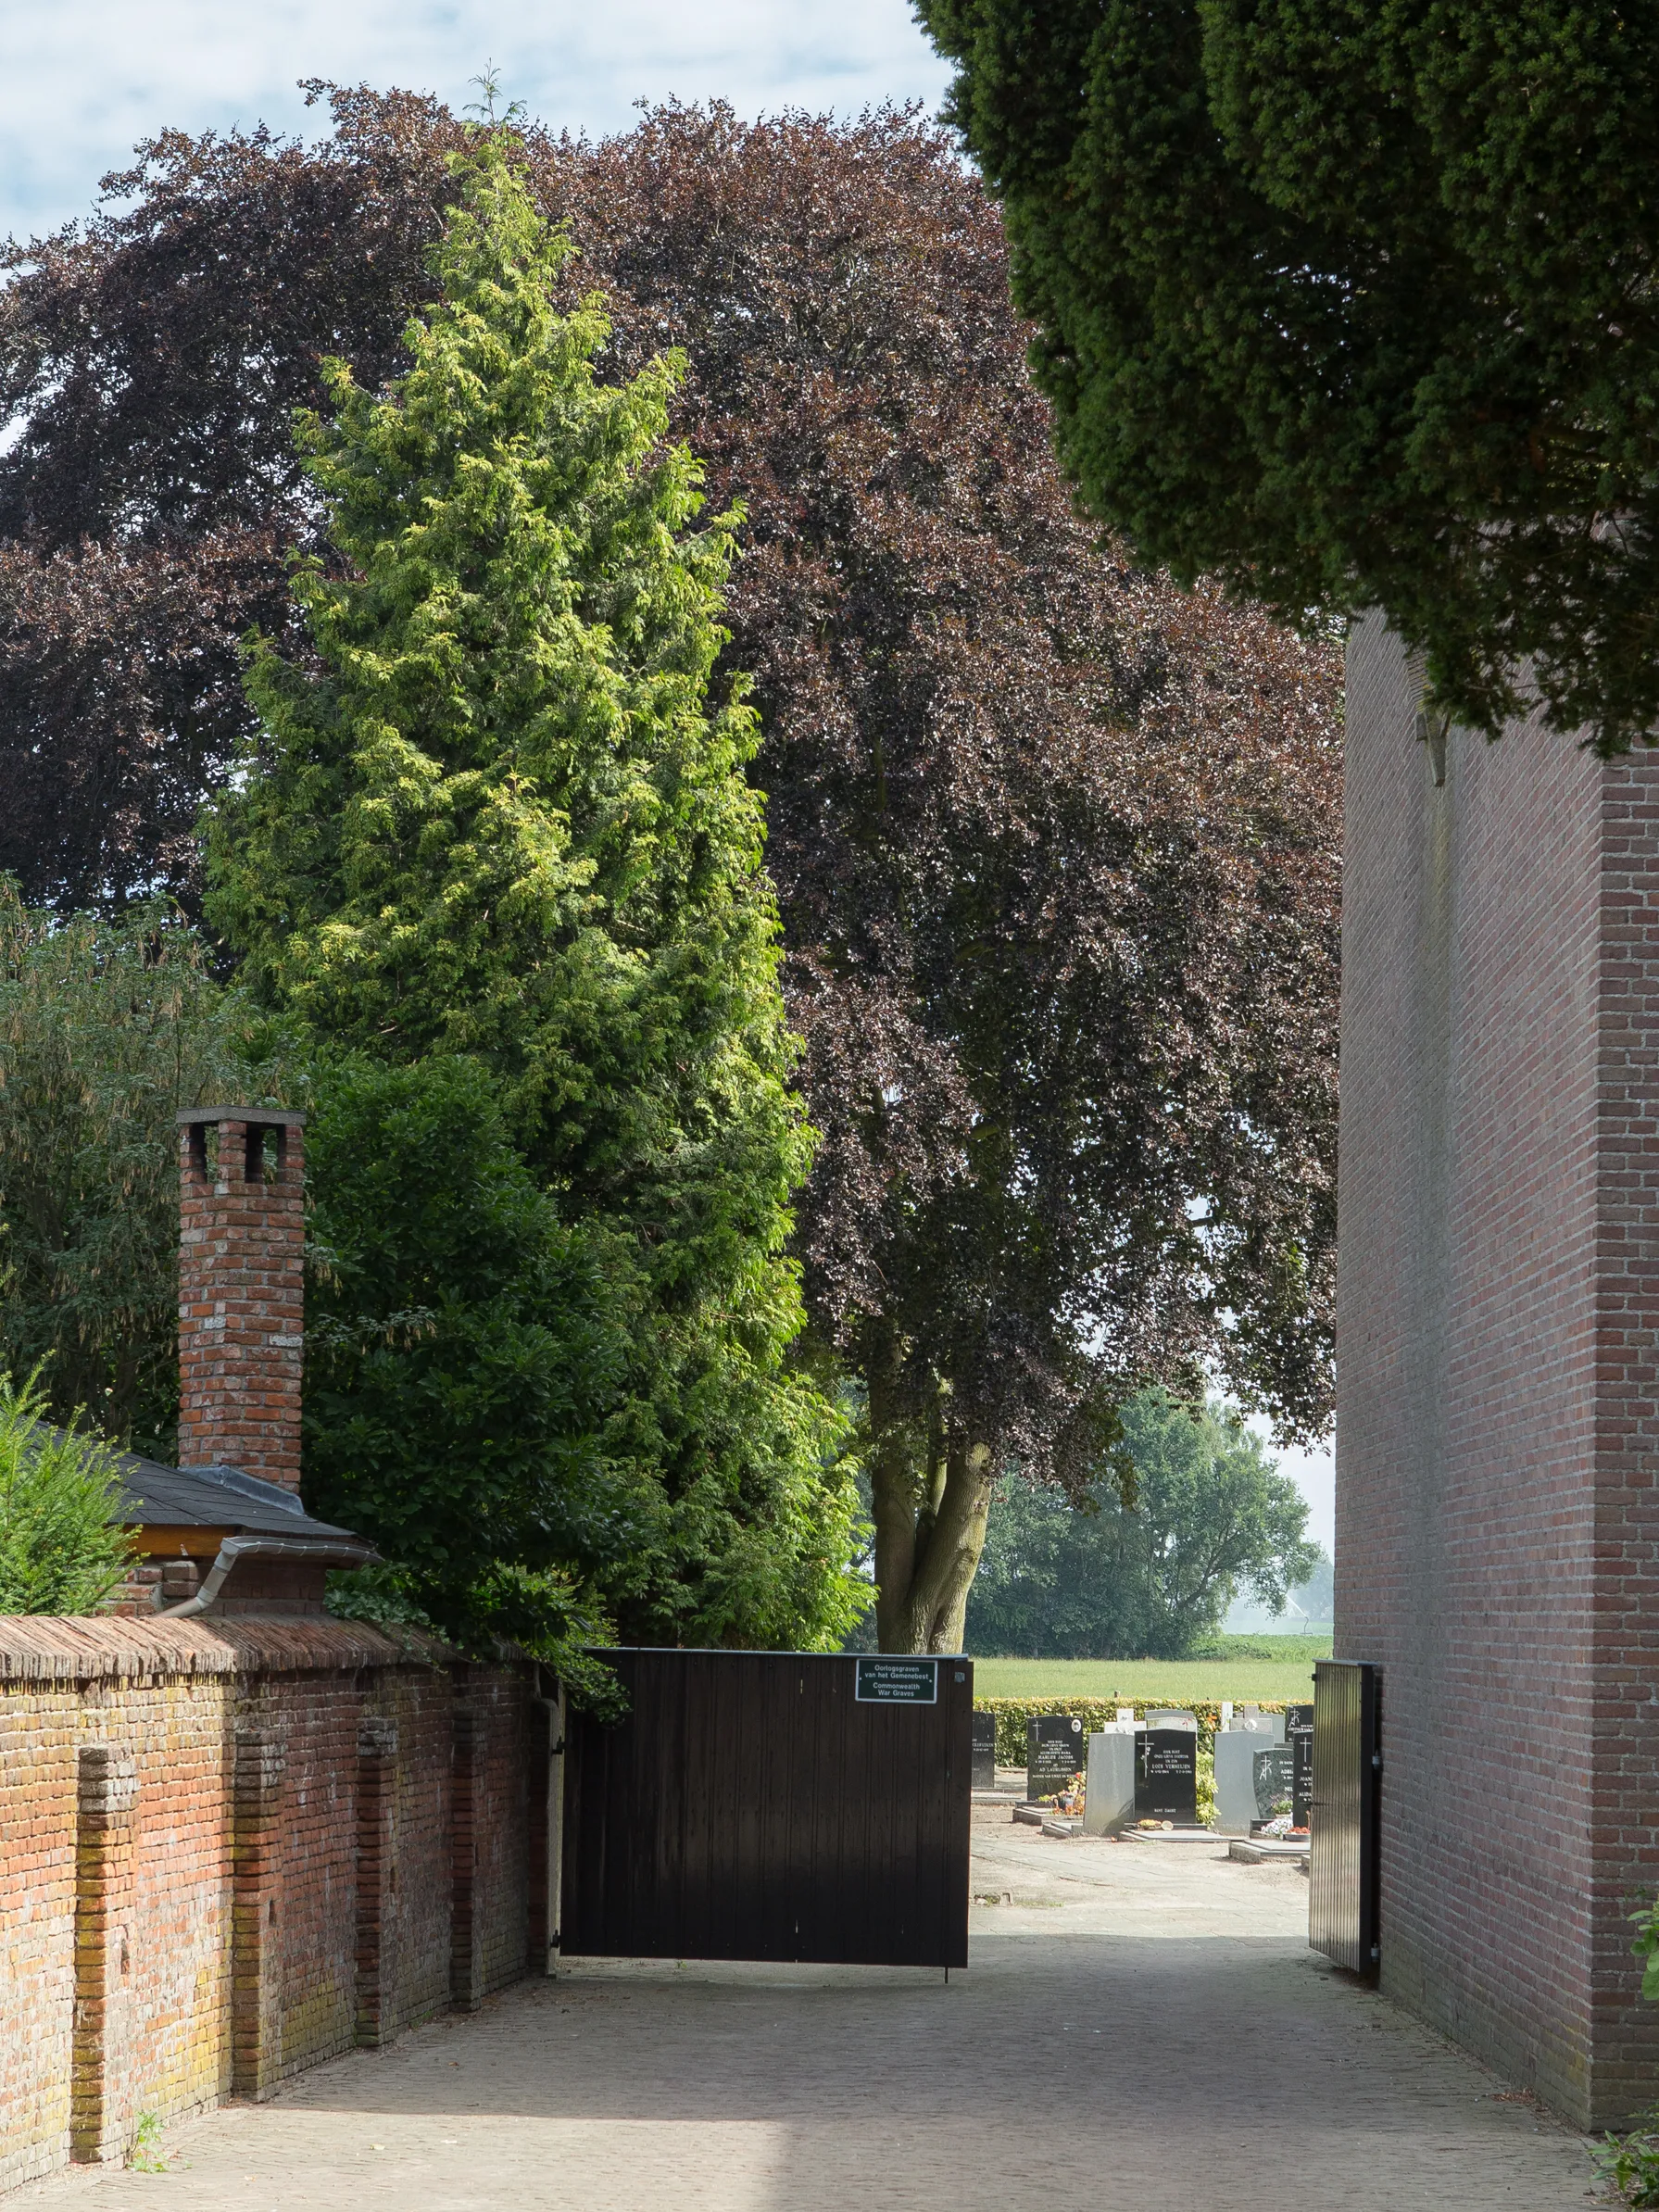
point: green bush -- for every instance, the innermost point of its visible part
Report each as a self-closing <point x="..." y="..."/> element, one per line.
<point x="1630" y="2164"/>
<point x="62" y="1549"/>
<point x="1094" y="1712"/>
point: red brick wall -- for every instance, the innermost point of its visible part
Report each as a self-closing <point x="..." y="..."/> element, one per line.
<point x="227" y="1851"/>
<point x="1495" y="1534"/>
<point x="241" y="1296"/>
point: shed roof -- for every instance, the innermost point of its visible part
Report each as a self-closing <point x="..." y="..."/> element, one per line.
<point x="221" y="1498"/>
<point x="214" y="1498"/>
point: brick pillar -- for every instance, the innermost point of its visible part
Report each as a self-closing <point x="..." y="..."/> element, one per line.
<point x="377" y="1877"/>
<point x="107" y="1793"/>
<point x="255" y="1940"/>
<point x="241" y="1289"/>
<point x="466" y="1990"/>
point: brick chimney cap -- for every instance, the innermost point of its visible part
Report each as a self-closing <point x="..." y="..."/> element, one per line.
<point x="262" y="1117"/>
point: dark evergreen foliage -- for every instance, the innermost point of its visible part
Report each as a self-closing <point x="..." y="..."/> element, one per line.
<point x="1351" y="302"/>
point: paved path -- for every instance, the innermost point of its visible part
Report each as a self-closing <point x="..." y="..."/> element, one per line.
<point x="1143" y="2025"/>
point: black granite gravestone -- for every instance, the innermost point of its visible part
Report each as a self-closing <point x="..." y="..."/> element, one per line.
<point x="1274" y="1767"/>
<point x="1054" y="1751"/>
<point x="984" y="1750"/>
<point x="1166" y="1775"/>
<point x="1299" y="1735"/>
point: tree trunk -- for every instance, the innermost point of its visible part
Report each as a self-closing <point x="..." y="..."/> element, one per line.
<point x="931" y="1496"/>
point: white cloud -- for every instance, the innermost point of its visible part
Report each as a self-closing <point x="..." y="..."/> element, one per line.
<point x="82" y="81"/>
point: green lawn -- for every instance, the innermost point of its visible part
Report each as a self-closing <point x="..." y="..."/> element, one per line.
<point x="1287" y="1680"/>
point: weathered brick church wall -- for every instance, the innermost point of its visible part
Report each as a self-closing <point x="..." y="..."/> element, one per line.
<point x="229" y="1849"/>
<point x="1498" y="1414"/>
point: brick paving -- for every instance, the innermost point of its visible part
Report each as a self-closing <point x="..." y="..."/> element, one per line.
<point x="1142" y="2026"/>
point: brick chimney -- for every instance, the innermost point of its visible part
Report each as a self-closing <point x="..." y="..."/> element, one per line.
<point x="241" y="1289"/>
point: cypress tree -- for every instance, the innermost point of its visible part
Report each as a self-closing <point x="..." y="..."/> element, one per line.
<point x="500" y="815"/>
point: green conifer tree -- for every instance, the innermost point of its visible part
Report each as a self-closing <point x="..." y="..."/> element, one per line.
<point x="501" y="817"/>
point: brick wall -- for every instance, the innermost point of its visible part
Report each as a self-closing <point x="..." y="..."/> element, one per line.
<point x="1498" y="1384"/>
<point x="229" y="1849"/>
<point x="241" y="1291"/>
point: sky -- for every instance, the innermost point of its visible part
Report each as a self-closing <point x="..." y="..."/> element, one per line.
<point x="1315" y="1474"/>
<point x="82" y="81"/>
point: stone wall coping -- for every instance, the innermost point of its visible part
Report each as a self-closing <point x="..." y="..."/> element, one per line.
<point x="55" y="1648"/>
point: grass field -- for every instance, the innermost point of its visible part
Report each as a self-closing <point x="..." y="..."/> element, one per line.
<point x="1287" y="1680"/>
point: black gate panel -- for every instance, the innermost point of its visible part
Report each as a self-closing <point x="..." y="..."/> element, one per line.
<point x="1344" y="1835"/>
<point x="751" y="1805"/>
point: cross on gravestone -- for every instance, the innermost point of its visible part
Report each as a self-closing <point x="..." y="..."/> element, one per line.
<point x="1274" y="1765"/>
<point x="984" y="1750"/>
<point x="1299" y="1735"/>
<point x="1166" y="1775"/>
<point x="1053" y="1753"/>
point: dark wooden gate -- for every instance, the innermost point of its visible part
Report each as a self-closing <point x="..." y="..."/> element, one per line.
<point x="755" y="1804"/>
<point x="1344" y="1835"/>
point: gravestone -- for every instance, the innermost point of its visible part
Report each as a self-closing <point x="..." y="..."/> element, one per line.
<point x="1273" y="1767"/>
<point x="984" y="1750"/>
<point x="1166" y="1775"/>
<point x="1173" y="1720"/>
<point x="1053" y="1753"/>
<point x="1299" y="1735"/>
<point x="1109" y="1803"/>
<point x="1127" y="1723"/>
<point x="1236" y="1751"/>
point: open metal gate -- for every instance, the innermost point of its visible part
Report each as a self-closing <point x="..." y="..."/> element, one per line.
<point x="1344" y="1835"/>
<point x="772" y="1806"/>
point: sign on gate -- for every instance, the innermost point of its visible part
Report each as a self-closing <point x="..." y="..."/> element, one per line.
<point x="896" y="1682"/>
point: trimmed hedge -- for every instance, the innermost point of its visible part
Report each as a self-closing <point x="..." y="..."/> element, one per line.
<point x="1012" y="1713"/>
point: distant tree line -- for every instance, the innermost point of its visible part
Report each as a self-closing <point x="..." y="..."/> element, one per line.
<point x="1099" y="1579"/>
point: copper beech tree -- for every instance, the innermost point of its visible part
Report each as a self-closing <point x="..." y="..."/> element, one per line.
<point x="1056" y="844"/>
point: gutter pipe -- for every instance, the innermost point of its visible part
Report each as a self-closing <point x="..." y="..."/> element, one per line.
<point x="325" y="1551"/>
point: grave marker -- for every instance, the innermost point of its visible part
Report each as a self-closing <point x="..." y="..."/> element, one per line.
<point x="984" y="1750"/>
<point x="1053" y="1753"/>
<point x="1236" y="1751"/>
<point x="1299" y="1735"/>
<point x="1166" y="1775"/>
<point x="1109" y="1803"/>
<point x="1273" y="1765"/>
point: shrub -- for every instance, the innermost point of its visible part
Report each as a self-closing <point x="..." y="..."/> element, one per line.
<point x="1630" y="2164"/>
<point x="62" y="1549"/>
<point x="1094" y="1712"/>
